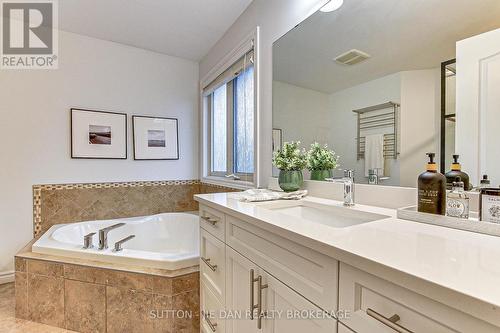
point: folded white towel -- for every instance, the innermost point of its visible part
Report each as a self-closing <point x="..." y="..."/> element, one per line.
<point x="374" y="152"/>
<point x="256" y="195"/>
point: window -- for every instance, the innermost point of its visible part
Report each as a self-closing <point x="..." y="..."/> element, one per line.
<point x="230" y="121"/>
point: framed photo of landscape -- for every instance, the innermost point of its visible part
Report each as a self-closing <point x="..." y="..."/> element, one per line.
<point x="155" y="138"/>
<point x="98" y="134"/>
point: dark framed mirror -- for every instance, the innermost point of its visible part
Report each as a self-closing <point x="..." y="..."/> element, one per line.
<point x="448" y="112"/>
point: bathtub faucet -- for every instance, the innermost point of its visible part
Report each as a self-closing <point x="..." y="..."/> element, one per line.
<point x="103" y="235"/>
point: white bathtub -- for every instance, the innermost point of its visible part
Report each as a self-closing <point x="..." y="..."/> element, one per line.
<point x="166" y="241"/>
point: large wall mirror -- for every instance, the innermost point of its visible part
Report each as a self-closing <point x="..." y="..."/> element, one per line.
<point x="383" y="82"/>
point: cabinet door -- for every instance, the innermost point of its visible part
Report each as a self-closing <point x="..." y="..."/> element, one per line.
<point x="213" y="263"/>
<point x="211" y="311"/>
<point x="285" y="311"/>
<point x="238" y="288"/>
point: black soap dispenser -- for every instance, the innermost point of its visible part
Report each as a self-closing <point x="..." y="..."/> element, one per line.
<point x="432" y="189"/>
<point x="456" y="171"/>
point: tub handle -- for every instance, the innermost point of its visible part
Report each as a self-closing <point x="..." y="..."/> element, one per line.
<point x="207" y="261"/>
<point x="118" y="245"/>
<point x="210" y="220"/>
<point x="88" y="241"/>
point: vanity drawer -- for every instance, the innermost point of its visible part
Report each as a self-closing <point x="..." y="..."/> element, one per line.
<point x="212" y="221"/>
<point x="372" y="302"/>
<point x="310" y="273"/>
<point x="213" y="263"/>
<point x="210" y="312"/>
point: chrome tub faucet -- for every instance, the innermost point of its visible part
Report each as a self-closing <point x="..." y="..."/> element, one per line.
<point x="103" y="235"/>
<point x="118" y="245"/>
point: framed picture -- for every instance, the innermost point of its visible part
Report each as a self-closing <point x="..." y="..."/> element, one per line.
<point x="98" y="134"/>
<point x="155" y="138"/>
<point x="277" y="139"/>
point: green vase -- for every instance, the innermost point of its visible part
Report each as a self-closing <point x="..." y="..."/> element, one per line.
<point x="321" y="174"/>
<point x="290" y="181"/>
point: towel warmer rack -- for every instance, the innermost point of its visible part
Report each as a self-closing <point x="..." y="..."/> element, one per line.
<point x="368" y="120"/>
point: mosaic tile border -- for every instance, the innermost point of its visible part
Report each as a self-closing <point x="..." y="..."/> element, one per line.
<point x="113" y="185"/>
<point x="37" y="193"/>
<point x="37" y="209"/>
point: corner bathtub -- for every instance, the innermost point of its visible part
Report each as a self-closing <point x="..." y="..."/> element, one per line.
<point x="166" y="241"/>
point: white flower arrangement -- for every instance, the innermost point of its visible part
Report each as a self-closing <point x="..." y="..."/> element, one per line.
<point x="290" y="157"/>
<point x="321" y="158"/>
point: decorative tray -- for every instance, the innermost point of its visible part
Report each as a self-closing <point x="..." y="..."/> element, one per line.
<point x="472" y="224"/>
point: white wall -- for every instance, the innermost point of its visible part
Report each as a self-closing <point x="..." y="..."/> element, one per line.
<point x="301" y="114"/>
<point x="275" y="18"/>
<point x="343" y="121"/>
<point x="93" y="74"/>
<point x="420" y="122"/>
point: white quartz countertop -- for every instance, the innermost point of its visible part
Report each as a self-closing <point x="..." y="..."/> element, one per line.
<point x="462" y="261"/>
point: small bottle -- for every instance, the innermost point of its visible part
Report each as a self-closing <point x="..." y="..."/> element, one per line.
<point x="432" y="189"/>
<point x="372" y="177"/>
<point x="485" y="182"/>
<point x="456" y="171"/>
<point x="457" y="202"/>
<point x="489" y="205"/>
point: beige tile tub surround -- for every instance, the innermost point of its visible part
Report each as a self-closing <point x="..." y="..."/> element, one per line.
<point x="67" y="203"/>
<point x="91" y="296"/>
<point x="9" y="323"/>
<point x="93" y="299"/>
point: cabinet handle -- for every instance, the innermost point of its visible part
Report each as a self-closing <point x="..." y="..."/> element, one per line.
<point x="207" y="261"/>
<point x="252" y="303"/>
<point x="213" y="326"/>
<point x="261" y="287"/>
<point x="210" y="220"/>
<point x="389" y="322"/>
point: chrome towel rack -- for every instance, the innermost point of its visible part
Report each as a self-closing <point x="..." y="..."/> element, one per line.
<point x="369" y="119"/>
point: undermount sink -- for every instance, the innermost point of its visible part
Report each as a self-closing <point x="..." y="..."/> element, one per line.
<point x="330" y="215"/>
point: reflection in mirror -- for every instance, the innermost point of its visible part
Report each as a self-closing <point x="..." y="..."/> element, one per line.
<point x="448" y="112"/>
<point x="368" y="80"/>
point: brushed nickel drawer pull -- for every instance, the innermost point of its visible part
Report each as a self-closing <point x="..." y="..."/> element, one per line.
<point x="213" y="326"/>
<point x="389" y="322"/>
<point x="261" y="287"/>
<point x="207" y="261"/>
<point x="252" y="303"/>
<point x="210" y="220"/>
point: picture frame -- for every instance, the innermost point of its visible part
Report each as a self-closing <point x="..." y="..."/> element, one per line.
<point x="98" y="134"/>
<point x="155" y="138"/>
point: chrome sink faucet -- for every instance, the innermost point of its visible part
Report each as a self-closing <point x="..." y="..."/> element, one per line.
<point x="348" y="181"/>
<point x="103" y="235"/>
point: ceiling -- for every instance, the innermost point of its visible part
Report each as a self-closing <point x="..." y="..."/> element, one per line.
<point x="399" y="35"/>
<point x="182" y="28"/>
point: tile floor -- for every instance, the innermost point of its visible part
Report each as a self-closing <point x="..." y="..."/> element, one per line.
<point x="8" y="322"/>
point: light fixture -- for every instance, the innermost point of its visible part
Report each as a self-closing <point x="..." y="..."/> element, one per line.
<point x="331" y="6"/>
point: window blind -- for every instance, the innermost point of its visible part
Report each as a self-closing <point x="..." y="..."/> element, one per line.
<point x="229" y="74"/>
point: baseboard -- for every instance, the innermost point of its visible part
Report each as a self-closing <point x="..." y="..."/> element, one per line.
<point x="6" y="277"/>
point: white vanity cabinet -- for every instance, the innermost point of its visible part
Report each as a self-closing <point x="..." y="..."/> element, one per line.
<point x="238" y="288"/>
<point x="298" y="289"/>
<point x="377" y="305"/>
<point x="270" y="268"/>
<point x="284" y="311"/>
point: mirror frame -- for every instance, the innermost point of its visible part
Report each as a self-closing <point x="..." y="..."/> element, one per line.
<point x="444" y="116"/>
